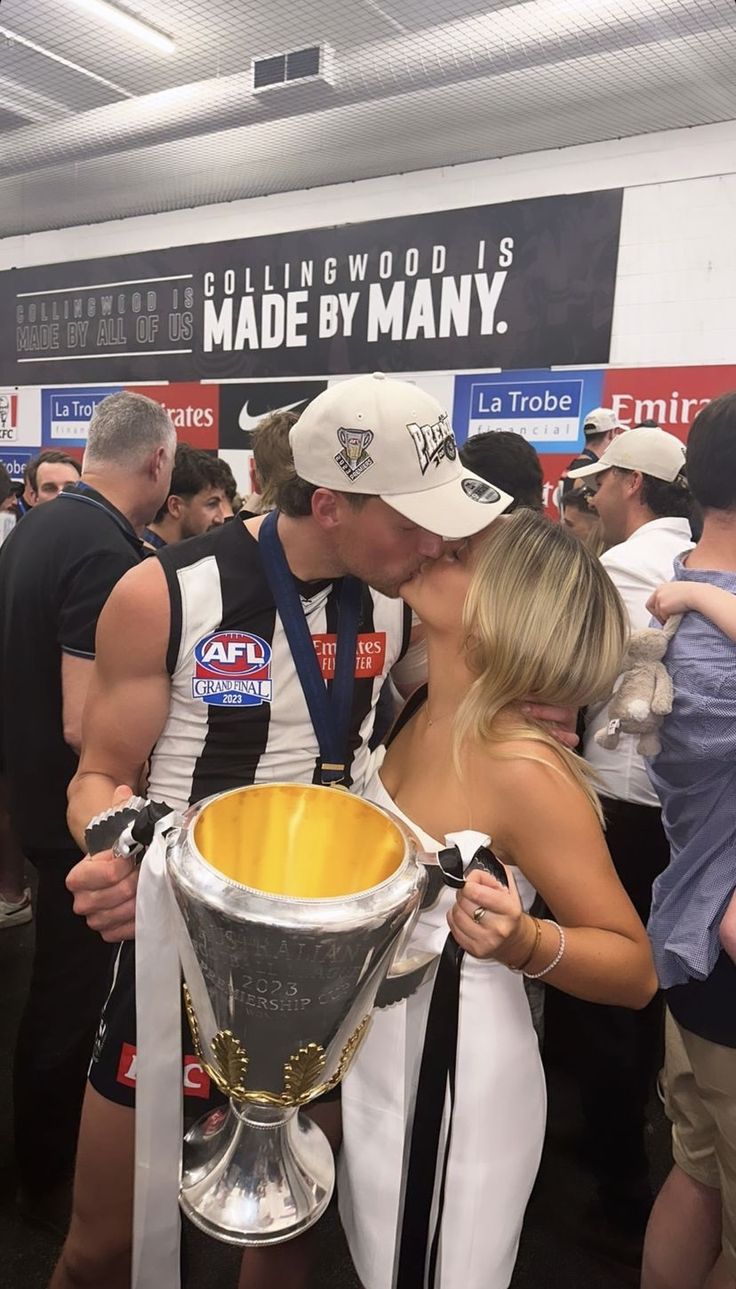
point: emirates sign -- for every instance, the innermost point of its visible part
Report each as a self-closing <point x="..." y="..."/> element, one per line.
<point x="671" y="396"/>
<point x="193" y="409"/>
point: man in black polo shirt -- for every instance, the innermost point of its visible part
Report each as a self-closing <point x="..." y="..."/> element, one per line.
<point x="57" y="569"/>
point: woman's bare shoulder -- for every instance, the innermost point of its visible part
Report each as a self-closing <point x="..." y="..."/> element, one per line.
<point x="535" y="801"/>
<point x="519" y="767"/>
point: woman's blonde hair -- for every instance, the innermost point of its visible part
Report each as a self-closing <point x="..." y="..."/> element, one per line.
<point x="543" y="622"/>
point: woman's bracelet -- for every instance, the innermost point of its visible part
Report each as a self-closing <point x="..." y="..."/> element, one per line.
<point x="535" y="946"/>
<point x="537" y="975"/>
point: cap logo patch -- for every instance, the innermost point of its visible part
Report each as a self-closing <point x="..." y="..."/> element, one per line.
<point x="353" y="459"/>
<point x="479" y="491"/>
<point x="433" y="442"/>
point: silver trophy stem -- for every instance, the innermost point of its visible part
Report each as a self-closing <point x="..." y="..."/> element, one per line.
<point x="256" y="1175"/>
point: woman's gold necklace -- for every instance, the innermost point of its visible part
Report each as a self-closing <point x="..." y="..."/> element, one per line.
<point x="436" y="719"/>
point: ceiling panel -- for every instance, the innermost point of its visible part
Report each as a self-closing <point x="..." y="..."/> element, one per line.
<point x="416" y="83"/>
<point x="10" y="120"/>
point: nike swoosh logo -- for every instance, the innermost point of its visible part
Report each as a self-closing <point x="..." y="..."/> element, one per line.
<point x="248" y="422"/>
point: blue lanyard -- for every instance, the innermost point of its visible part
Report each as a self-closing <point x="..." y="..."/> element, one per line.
<point x="153" y="539"/>
<point x="329" y="710"/>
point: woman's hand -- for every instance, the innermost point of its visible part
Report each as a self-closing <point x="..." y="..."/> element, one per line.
<point x="505" y="932"/>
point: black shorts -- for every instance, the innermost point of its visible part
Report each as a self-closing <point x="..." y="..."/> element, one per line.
<point x="112" y="1069"/>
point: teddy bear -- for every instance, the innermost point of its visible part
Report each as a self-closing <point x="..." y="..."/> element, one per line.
<point x="644" y="695"/>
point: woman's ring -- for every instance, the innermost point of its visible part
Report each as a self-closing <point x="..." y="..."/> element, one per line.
<point x="479" y="914"/>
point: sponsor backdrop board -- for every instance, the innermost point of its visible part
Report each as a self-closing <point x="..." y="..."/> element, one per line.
<point x="66" y="414"/>
<point x="194" y="409"/>
<point x="9" y="415"/>
<point x="243" y="405"/>
<point x="15" y="460"/>
<point x="671" y="396"/>
<point x="517" y="284"/>
<point x="20" y="416"/>
<point x="242" y="465"/>
<point x="553" y="468"/>
<point x="546" y="407"/>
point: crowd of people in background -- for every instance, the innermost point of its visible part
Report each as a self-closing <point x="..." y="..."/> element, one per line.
<point x="98" y="602"/>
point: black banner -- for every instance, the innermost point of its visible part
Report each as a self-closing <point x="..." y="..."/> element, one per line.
<point x="243" y="406"/>
<point x="522" y="284"/>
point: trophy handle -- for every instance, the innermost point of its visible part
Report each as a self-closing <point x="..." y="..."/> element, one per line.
<point x="405" y="977"/>
<point x="407" y="971"/>
<point x="410" y="970"/>
<point x="416" y="962"/>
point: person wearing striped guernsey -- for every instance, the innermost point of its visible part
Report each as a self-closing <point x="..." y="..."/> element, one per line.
<point x="194" y="670"/>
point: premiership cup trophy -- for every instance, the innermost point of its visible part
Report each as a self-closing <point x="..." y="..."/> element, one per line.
<point x="295" y="899"/>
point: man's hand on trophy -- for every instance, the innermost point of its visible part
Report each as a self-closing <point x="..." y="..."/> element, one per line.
<point x="104" y="888"/>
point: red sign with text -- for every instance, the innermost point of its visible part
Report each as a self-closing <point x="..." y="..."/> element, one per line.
<point x="370" y="654"/>
<point x="553" y="467"/>
<point x="8" y="416"/>
<point x="671" y="396"/>
<point x="194" y="409"/>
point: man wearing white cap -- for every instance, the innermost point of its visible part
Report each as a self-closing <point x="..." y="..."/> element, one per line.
<point x="643" y="502"/>
<point x="199" y="658"/>
<point x="600" y="428"/>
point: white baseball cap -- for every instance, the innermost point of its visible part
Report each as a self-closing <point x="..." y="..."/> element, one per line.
<point x="601" y="421"/>
<point x="391" y="439"/>
<point x="647" y="449"/>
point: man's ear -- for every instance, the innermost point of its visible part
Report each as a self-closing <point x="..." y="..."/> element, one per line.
<point x="635" y="483"/>
<point x="326" y="508"/>
<point x="158" y="462"/>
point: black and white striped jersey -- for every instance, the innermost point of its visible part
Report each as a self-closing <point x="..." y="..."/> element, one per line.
<point x="238" y="714"/>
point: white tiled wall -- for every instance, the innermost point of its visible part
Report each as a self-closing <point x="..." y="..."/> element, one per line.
<point x="676" y="290"/>
<point x="676" y="286"/>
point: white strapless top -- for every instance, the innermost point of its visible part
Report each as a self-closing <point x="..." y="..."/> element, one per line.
<point x="376" y="792"/>
<point x="497" y="1117"/>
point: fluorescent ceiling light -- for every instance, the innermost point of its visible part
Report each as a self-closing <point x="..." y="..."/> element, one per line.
<point x="130" y="25"/>
<point x="16" y="39"/>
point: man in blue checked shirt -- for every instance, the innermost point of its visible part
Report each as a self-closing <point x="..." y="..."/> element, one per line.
<point x="691" y="1238"/>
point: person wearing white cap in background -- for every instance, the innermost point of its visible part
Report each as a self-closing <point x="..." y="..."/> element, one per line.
<point x="643" y="501"/>
<point x="600" y="427"/>
<point x="378" y="486"/>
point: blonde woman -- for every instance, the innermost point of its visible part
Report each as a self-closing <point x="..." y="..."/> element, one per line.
<point x="524" y="612"/>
